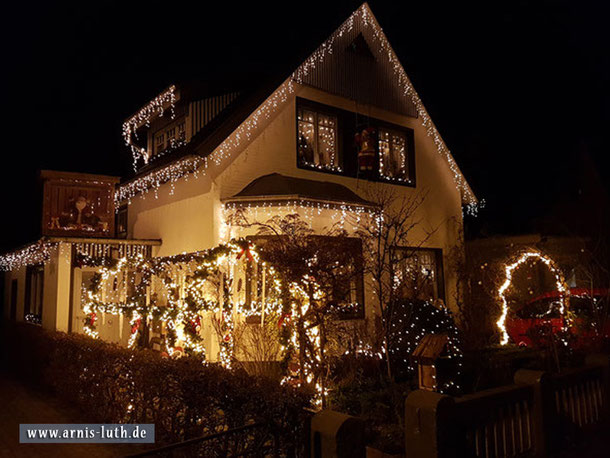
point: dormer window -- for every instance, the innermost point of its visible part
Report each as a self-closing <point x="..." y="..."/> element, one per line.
<point x="317" y="140"/>
<point x="160" y="143"/>
<point x="170" y="137"/>
<point x="393" y="160"/>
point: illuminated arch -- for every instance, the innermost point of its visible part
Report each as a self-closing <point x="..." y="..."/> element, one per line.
<point x="509" y="269"/>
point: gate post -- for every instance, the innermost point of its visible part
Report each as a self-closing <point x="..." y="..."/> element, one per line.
<point x="428" y="426"/>
<point x="336" y="435"/>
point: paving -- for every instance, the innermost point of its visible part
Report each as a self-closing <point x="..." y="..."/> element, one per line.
<point x="22" y="404"/>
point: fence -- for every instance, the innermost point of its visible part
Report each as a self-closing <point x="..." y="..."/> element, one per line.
<point x="537" y="415"/>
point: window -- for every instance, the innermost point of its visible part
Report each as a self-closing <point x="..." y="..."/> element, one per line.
<point x="338" y="266"/>
<point x="348" y="286"/>
<point x="338" y="141"/>
<point x="182" y="131"/>
<point x="33" y="294"/>
<point x="160" y="146"/>
<point x="419" y="274"/>
<point x="121" y="222"/>
<point x="171" y="134"/>
<point x="317" y="140"/>
<point x="393" y="164"/>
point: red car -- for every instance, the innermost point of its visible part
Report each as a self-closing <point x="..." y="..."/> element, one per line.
<point x="586" y="306"/>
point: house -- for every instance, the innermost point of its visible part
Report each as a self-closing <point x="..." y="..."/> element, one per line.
<point x="318" y="143"/>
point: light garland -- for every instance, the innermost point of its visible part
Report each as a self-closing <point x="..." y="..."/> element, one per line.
<point x="184" y="305"/>
<point x="342" y="215"/>
<point x="276" y="101"/>
<point x="509" y="269"/>
<point x="198" y="165"/>
<point x="40" y="252"/>
<point x="207" y="283"/>
<point x="35" y="253"/>
<point x="155" y="107"/>
<point x="425" y="318"/>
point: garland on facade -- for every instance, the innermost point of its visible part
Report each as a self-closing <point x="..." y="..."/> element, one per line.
<point x="34" y="253"/>
<point x="184" y="303"/>
<point x="205" y="282"/>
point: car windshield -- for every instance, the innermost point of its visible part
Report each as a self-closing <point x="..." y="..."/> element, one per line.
<point x="586" y="306"/>
<point x="543" y="308"/>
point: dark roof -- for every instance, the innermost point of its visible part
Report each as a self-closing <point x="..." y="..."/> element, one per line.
<point x="253" y="93"/>
<point x="430" y="348"/>
<point x="277" y="185"/>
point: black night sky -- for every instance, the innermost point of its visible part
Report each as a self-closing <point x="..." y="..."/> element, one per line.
<point x="519" y="90"/>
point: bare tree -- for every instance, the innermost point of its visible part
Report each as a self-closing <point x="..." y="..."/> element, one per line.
<point x="385" y="233"/>
<point x="259" y="345"/>
<point x="476" y="304"/>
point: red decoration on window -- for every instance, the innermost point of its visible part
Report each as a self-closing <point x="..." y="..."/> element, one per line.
<point x="366" y="154"/>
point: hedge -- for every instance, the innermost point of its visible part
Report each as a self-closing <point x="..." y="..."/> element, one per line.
<point x="183" y="398"/>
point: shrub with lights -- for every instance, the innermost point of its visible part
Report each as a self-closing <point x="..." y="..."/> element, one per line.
<point x="413" y="319"/>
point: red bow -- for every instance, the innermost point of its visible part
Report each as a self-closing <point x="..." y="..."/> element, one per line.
<point x="284" y="317"/>
<point x="246" y="250"/>
<point x="136" y="326"/>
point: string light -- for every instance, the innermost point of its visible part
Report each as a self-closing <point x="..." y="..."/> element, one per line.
<point x="40" y="252"/>
<point x="190" y="285"/>
<point x="36" y="253"/>
<point x="185" y="303"/>
<point x="560" y="284"/>
<point x="155" y="107"/>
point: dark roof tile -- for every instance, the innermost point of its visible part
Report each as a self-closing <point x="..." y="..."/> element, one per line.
<point x="277" y="185"/>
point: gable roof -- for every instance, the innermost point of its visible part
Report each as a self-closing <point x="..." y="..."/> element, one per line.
<point x="228" y="132"/>
<point x="277" y="186"/>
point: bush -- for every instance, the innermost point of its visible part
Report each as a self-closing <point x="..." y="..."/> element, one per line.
<point x="183" y="398"/>
<point x="380" y="403"/>
<point x="495" y="366"/>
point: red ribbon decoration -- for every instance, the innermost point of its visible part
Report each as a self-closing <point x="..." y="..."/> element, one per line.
<point x="136" y="325"/>
<point x="247" y="252"/>
<point x="284" y="317"/>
